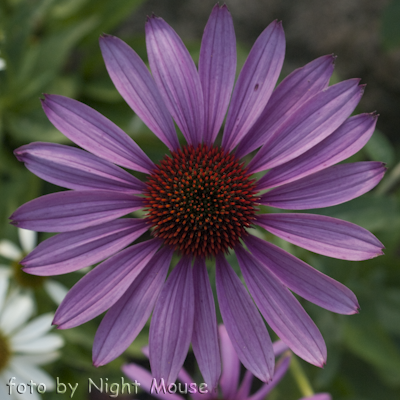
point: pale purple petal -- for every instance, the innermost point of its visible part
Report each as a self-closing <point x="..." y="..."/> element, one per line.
<point x="280" y="371"/>
<point x="230" y="365"/>
<point x="309" y="124"/>
<point x="135" y="84"/>
<point x="243" y="322"/>
<point x="329" y="236"/>
<point x="347" y="140"/>
<point x="184" y="377"/>
<point x="127" y="317"/>
<point x="279" y="347"/>
<point x="148" y="383"/>
<point x="217" y="67"/>
<point x="281" y="310"/>
<point x="205" y="334"/>
<point x="172" y="323"/>
<point x="245" y="386"/>
<point x="70" y="251"/>
<point x="95" y="133"/>
<point x="77" y="169"/>
<point x="70" y="210"/>
<point x="291" y="93"/>
<point x="255" y="84"/>
<point x="99" y="289"/>
<point x="303" y="279"/>
<point x="331" y="186"/>
<point x="176" y="77"/>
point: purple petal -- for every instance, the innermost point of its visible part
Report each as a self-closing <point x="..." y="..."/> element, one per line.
<point x="308" y="125"/>
<point x="205" y="335"/>
<point x="127" y="317"/>
<point x="331" y="237"/>
<point x="142" y="376"/>
<point x="349" y="138"/>
<point x="282" y="311"/>
<point x="176" y="77"/>
<point x="303" y="279"/>
<point x="172" y="323"/>
<point x="135" y="84"/>
<point x="331" y="186"/>
<point x="95" y="133"/>
<point x="243" y="322"/>
<point x="217" y="67"/>
<point x="230" y="365"/>
<point x="291" y="93"/>
<point x="70" y="210"/>
<point x="98" y="290"/>
<point x="280" y="371"/>
<point x="76" y="169"/>
<point x="71" y="251"/>
<point x="255" y="84"/>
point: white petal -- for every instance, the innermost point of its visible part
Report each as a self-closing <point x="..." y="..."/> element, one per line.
<point x="38" y="359"/>
<point x="44" y="344"/>
<point x="3" y="288"/>
<point x="3" y="388"/>
<point x="29" y="371"/>
<point x="36" y="328"/>
<point x="27" y="239"/>
<point x="10" y="250"/>
<point x="28" y="395"/>
<point x="10" y="373"/>
<point x="5" y="271"/>
<point x="17" y="310"/>
<point x="55" y="290"/>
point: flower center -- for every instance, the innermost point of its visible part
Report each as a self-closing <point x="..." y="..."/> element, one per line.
<point x="5" y="351"/>
<point x="200" y="200"/>
<point x="26" y="280"/>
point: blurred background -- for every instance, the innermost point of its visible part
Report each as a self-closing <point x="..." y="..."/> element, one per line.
<point x="51" y="46"/>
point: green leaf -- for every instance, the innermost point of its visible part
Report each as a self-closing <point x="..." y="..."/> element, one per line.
<point x="109" y="13"/>
<point x="369" y="341"/>
<point x="371" y="212"/>
<point x="34" y="127"/>
<point x="379" y="148"/>
<point x="67" y="8"/>
<point x="51" y="54"/>
<point x="388" y="307"/>
<point x="101" y="90"/>
<point x="41" y="63"/>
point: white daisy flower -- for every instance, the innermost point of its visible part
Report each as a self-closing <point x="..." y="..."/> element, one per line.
<point x="24" y="346"/>
<point x="28" y="282"/>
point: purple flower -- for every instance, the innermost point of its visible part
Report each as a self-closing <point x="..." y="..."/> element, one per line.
<point x="201" y="198"/>
<point x="229" y="387"/>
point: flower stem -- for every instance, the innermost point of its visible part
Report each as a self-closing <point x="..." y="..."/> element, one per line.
<point x="301" y="378"/>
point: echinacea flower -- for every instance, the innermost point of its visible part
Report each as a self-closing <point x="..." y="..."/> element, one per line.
<point x="201" y="198"/>
<point x="24" y="346"/>
<point x="229" y="387"/>
<point x="10" y="251"/>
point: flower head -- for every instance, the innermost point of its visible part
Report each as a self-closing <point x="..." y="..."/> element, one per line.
<point x="200" y="200"/>
<point x="229" y="386"/>
<point x="24" y="346"/>
<point x="27" y="282"/>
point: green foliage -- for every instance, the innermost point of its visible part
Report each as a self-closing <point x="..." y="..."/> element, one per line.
<point x="390" y="27"/>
